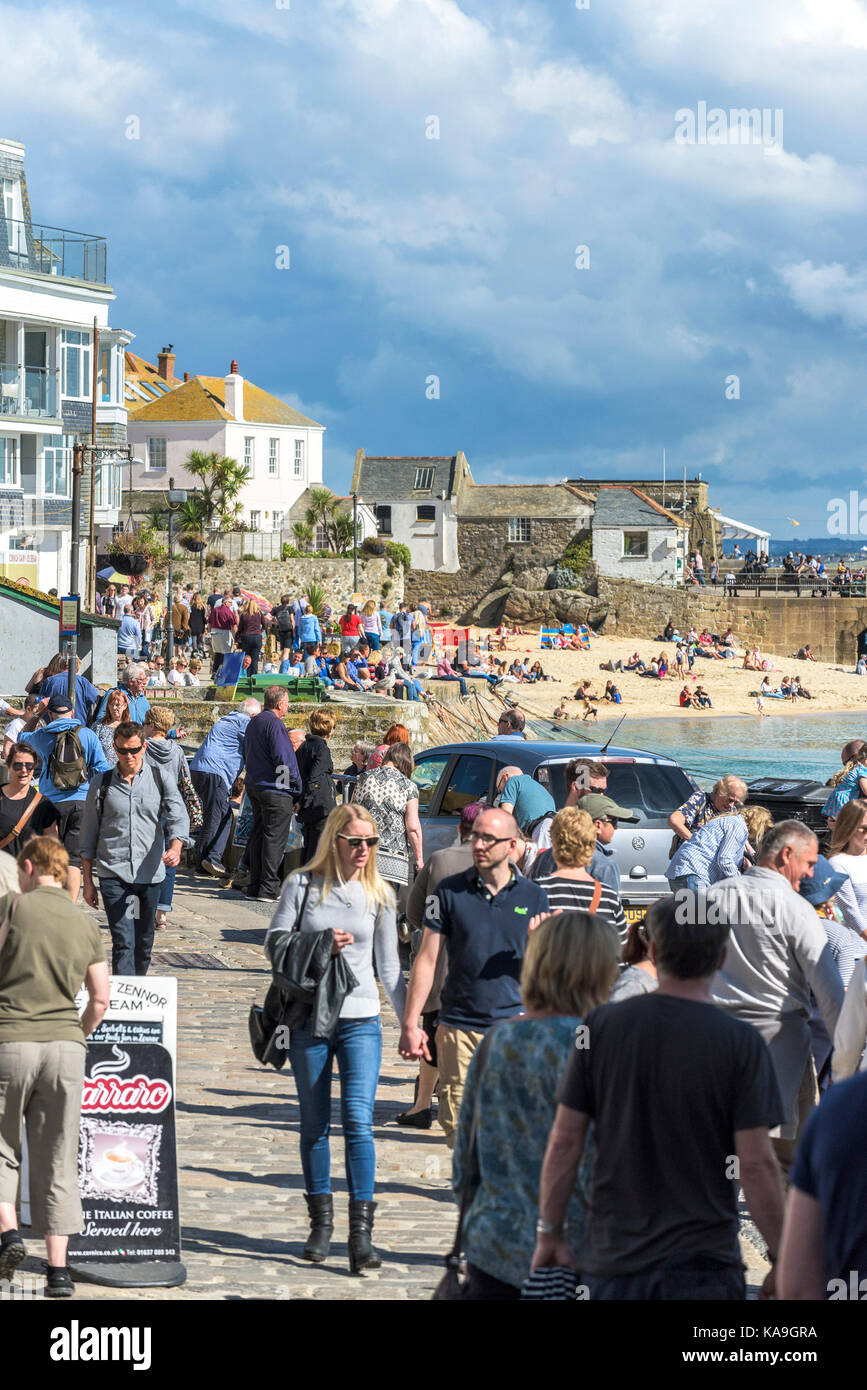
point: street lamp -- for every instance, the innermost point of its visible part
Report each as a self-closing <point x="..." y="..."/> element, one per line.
<point x="355" y="542"/>
<point x="175" y="497"/>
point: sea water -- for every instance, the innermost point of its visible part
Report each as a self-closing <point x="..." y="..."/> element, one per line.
<point x="797" y="746"/>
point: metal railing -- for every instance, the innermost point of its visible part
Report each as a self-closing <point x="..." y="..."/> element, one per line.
<point x="28" y="390"/>
<point x="55" y="251"/>
<point x="784" y="585"/>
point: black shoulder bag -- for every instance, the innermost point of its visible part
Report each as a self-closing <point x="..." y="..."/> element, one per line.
<point x="263" y="1022"/>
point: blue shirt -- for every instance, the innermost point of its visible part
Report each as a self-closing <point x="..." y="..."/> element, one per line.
<point x="138" y="704"/>
<point x="487" y="938"/>
<point x="715" y="851"/>
<point x="222" y="752"/>
<point x="508" y="738"/>
<point x="829" y="1166"/>
<point x="128" y="634"/>
<point x="43" y="742"/>
<point x="528" y="798"/>
<point x="308" y="629"/>
<point x="269" y="756"/>
<point x="86" y="695"/>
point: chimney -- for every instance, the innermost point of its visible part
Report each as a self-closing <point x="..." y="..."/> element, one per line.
<point x="186" y="376"/>
<point x="166" y="363"/>
<point x="234" y="384"/>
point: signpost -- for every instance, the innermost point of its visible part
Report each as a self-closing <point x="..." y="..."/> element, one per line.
<point x="70" y="623"/>
<point x="127" y="1155"/>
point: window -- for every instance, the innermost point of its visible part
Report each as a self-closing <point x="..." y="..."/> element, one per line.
<point x="56" y="466"/>
<point x="156" y="454"/>
<point x="255" y="520"/>
<point x="276" y="521"/>
<point x="425" y="513"/>
<point x="635" y="545"/>
<point x="105" y="374"/>
<point x="426" y="776"/>
<point x="519" y="528"/>
<point x="470" y="781"/>
<point x="320" y="538"/>
<point x="383" y="520"/>
<point x="273" y="458"/>
<point x="75" y="350"/>
<point x="8" y="462"/>
<point x="299" y="458"/>
<point x="423" y="479"/>
<point x="249" y="446"/>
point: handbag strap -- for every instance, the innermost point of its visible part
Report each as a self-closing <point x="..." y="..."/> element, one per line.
<point x="597" y="895"/>
<point x="297" y="926"/>
<point x="16" y="829"/>
<point x="472" y="1154"/>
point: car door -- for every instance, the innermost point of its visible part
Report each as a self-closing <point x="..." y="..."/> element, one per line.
<point x="467" y="777"/>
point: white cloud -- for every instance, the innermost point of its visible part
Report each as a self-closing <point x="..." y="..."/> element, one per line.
<point x="828" y="291"/>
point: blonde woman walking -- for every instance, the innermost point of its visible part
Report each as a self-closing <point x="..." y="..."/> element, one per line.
<point x="340" y="892"/>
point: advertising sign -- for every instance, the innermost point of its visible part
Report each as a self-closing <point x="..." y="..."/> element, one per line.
<point x="70" y="607"/>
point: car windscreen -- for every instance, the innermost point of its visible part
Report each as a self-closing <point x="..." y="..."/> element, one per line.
<point x="651" y="790"/>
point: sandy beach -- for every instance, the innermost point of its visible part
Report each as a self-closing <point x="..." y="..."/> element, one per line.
<point x="726" y="682"/>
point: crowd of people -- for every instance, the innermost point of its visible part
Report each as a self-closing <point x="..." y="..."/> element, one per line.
<point x="559" y="1044"/>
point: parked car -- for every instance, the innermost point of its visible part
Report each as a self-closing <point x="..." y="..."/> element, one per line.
<point x="451" y="776"/>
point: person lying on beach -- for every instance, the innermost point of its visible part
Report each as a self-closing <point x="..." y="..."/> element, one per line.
<point x="610" y="665"/>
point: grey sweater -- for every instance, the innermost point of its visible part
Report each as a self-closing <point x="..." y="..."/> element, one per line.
<point x="374" y="930"/>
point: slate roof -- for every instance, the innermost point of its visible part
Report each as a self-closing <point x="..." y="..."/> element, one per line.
<point x="627" y="506"/>
<point x="521" y="499"/>
<point x="204" y="398"/>
<point x="392" y="479"/>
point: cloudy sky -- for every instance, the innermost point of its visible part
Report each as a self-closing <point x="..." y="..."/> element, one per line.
<point x="410" y="257"/>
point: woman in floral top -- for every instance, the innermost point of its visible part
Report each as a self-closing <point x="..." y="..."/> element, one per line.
<point x="569" y="968"/>
<point x="724" y="797"/>
<point x="391" y="797"/>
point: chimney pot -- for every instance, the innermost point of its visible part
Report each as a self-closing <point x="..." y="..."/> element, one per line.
<point x="233" y="370"/>
<point x="186" y="376"/>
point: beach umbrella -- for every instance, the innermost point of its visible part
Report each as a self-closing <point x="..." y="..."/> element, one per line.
<point x="111" y="576"/>
<point x="257" y="598"/>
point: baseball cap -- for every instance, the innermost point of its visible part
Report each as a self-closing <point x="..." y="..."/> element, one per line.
<point x="826" y="881"/>
<point x="60" y="704"/>
<point x="599" y="807"/>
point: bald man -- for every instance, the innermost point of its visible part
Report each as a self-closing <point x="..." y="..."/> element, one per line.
<point x="527" y="800"/>
<point x="485" y="914"/>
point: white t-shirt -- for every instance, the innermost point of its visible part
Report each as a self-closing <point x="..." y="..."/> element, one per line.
<point x="122" y="604"/>
<point x="13" y="728"/>
<point x="175" y="678"/>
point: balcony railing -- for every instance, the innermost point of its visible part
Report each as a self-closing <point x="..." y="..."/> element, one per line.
<point x="55" y="251"/>
<point x="28" y="391"/>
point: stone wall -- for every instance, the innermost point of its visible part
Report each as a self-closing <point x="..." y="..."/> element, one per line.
<point x="273" y="578"/>
<point x="779" y="625"/>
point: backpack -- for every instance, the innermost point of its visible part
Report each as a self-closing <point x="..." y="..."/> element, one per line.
<point x="67" y="764"/>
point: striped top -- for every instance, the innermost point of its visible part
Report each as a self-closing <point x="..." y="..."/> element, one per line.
<point x="576" y="895"/>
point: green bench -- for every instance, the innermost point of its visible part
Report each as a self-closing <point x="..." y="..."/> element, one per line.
<point x="303" y="688"/>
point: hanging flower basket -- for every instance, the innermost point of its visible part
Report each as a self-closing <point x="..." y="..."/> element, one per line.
<point x="194" y="544"/>
<point x="214" y="560"/>
<point x="129" y="563"/>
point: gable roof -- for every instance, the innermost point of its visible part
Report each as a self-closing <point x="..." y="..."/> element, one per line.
<point x="204" y="398"/>
<point x="392" y="479"/>
<point x="143" y="384"/>
<point x="628" y="506"/>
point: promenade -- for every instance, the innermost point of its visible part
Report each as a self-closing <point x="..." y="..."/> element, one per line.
<point x="243" y="1215"/>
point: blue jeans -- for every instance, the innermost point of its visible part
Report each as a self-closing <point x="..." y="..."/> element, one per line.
<point x="690" y="883"/>
<point x="357" y="1045"/>
<point x="455" y="678"/>
<point x="131" y="909"/>
<point x="167" y="887"/>
<point x="372" y="640"/>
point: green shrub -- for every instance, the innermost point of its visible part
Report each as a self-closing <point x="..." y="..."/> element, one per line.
<point x="577" y="554"/>
<point x="315" y="596"/>
<point x="290" y="552"/>
<point x="399" y="554"/>
<point x="445" y="611"/>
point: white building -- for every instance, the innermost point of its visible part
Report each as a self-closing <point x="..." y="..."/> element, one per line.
<point x="52" y="287"/>
<point x="281" y="448"/>
<point x="635" y="538"/>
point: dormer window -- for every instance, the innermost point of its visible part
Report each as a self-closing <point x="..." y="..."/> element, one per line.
<point x="423" y="480"/>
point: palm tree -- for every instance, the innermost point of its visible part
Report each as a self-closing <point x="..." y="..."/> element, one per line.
<point x="321" y="512"/>
<point x="303" y="534"/>
<point x="217" y="504"/>
<point x="342" y="530"/>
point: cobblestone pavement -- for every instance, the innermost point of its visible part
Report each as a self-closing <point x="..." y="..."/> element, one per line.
<point x="242" y="1210"/>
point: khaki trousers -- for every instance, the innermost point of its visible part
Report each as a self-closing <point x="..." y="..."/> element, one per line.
<point x="40" y="1087"/>
<point x="455" y="1048"/>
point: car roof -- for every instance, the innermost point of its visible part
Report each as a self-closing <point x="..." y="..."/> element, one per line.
<point x="531" y="752"/>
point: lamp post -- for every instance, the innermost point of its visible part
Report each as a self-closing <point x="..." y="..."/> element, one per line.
<point x="355" y="542"/>
<point x="175" y="497"/>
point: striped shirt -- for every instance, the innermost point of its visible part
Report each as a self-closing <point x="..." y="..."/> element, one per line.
<point x="576" y="895"/>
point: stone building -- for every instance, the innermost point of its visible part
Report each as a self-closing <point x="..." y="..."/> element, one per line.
<point x="636" y="538"/>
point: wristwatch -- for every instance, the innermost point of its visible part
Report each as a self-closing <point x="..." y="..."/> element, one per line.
<point x="548" y="1228"/>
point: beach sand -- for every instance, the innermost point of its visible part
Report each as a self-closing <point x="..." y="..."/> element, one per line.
<point x="727" y="684"/>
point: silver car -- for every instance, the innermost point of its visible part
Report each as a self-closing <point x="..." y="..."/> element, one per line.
<point x="451" y="776"/>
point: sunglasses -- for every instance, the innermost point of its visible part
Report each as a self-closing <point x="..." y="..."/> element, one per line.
<point x="23" y="767"/>
<point x="356" y="841"/>
<point x="128" y="752"/>
<point x="609" y="820"/>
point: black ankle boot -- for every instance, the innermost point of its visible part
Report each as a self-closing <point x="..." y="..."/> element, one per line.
<point x="361" y="1253"/>
<point x="321" y="1209"/>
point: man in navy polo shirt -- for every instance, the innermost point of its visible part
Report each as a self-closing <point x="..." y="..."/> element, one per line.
<point x="485" y="915"/>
